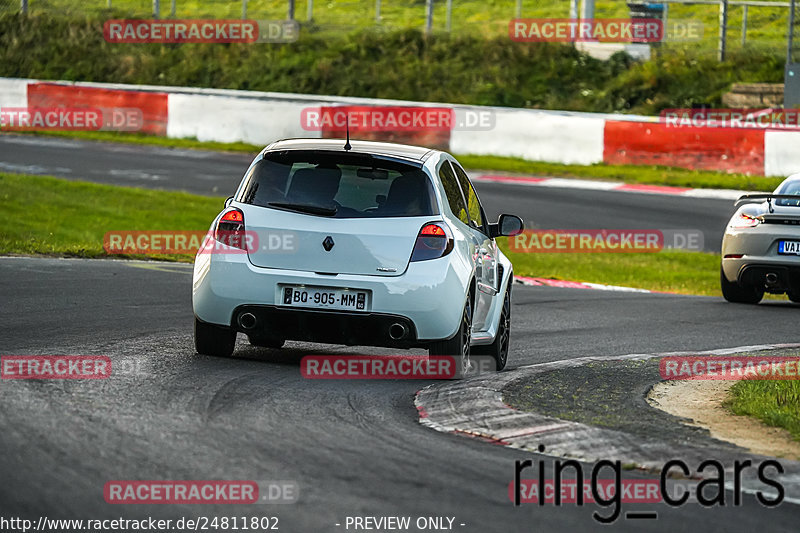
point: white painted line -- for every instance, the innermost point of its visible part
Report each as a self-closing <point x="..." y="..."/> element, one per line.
<point x="565" y="284"/>
<point x="716" y="194"/>
<point x="589" y="185"/>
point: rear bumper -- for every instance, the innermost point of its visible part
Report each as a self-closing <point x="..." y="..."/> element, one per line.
<point x="759" y="250"/>
<point x="428" y="298"/>
<point x="787" y="277"/>
<point x="334" y="327"/>
<point x="753" y="270"/>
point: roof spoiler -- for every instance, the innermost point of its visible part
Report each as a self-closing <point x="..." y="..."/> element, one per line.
<point x="758" y="198"/>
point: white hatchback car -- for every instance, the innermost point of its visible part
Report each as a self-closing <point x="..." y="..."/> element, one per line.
<point x="361" y="243"/>
<point x="761" y="246"/>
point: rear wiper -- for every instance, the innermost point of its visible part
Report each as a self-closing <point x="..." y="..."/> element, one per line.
<point x="305" y="208"/>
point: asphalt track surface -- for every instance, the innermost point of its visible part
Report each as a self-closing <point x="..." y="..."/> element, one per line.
<point x="354" y="448"/>
<point x="218" y="174"/>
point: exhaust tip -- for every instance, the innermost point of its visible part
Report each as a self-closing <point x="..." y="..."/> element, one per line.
<point x="247" y="320"/>
<point x="772" y="278"/>
<point x="397" y="331"/>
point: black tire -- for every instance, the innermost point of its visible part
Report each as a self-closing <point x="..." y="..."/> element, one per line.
<point x="499" y="348"/>
<point x="264" y="341"/>
<point x="458" y="346"/>
<point x="794" y="297"/>
<point x="210" y="339"/>
<point x="733" y="292"/>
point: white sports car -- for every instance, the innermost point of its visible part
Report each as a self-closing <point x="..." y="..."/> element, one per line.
<point x="761" y="246"/>
<point x="368" y="243"/>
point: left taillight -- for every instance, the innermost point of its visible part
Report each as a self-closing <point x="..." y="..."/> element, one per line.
<point x="230" y="229"/>
<point x="433" y="241"/>
<point x="743" y="220"/>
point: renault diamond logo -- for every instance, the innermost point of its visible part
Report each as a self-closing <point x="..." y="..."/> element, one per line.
<point x="328" y="243"/>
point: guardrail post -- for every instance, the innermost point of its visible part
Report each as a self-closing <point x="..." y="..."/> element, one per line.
<point x="587" y="10"/>
<point x="791" y="76"/>
<point x="428" y="17"/>
<point x="156" y="8"/>
<point x="723" y="28"/>
<point x="744" y="25"/>
<point x="450" y="14"/>
<point x="23" y="6"/>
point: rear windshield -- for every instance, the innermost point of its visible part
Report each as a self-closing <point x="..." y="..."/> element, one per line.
<point x="339" y="185"/>
<point x="790" y="188"/>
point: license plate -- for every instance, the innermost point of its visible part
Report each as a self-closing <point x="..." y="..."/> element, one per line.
<point x="325" y="298"/>
<point x="789" y="247"/>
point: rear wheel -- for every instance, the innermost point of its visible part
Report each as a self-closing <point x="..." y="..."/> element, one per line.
<point x="795" y="297"/>
<point x="499" y="348"/>
<point x="733" y="292"/>
<point x="459" y="345"/>
<point x="210" y="339"/>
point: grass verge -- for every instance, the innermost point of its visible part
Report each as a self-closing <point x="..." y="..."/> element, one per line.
<point x="669" y="271"/>
<point x="650" y="175"/>
<point x="71" y="218"/>
<point x="45" y="215"/>
<point x="774" y="402"/>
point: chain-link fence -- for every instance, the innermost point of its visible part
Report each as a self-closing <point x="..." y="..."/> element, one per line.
<point x="716" y="27"/>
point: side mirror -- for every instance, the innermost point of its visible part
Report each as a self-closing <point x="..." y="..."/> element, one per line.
<point x="228" y="201"/>
<point x="507" y="225"/>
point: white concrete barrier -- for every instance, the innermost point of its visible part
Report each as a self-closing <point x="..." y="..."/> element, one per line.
<point x="781" y="153"/>
<point x="13" y="92"/>
<point x="555" y="137"/>
<point x="227" y="119"/>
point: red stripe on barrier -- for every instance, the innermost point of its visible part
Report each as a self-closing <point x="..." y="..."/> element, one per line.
<point x="643" y="143"/>
<point x="438" y="138"/>
<point x="660" y="189"/>
<point x="153" y="105"/>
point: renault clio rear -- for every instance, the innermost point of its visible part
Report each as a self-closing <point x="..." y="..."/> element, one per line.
<point x="359" y="244"/>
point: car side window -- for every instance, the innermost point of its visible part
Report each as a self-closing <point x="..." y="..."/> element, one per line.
<point x="473" y="205"/>
<point x="453" y="192"/>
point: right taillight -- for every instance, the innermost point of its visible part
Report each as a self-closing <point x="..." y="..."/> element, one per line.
<point x="434" y="241"/>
